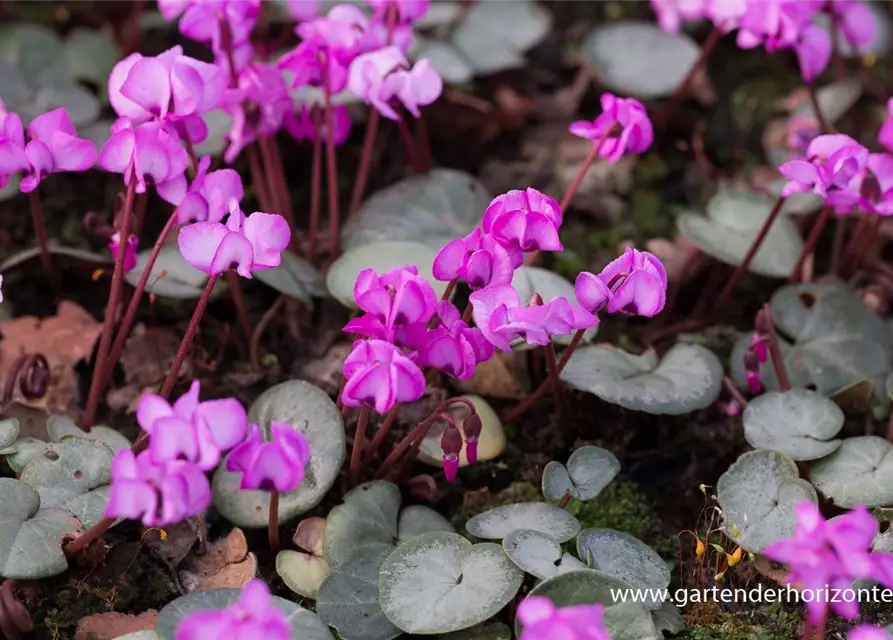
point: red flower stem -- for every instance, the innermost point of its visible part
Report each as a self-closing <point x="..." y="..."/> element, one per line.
<point x="781" y="371"/>
<point x="111" y="310"/>
<point x="273" y="523"/>
<point x="564" y="500"/>
<point x="546" y="384"/>
<point x="733" y="390"/>
<point x="258" y="180"/>
<point x="469" y="311"/>
<point x="424" y="143"/>
<point x="331" y="165"/>
<point x="140" y="204"/>
<point x="552" y="369"/>
<point x="40" y="231"/>
<point x="742" y="268"/>
<point x="276" y="177"/>
<point x="389" y="420"/>
<point x="188" y="337"/>
<point x="839" y="65"/>
<point x="409" y="146"/>
<point x="92" y="534"/>
<point x="809" y="245"/>
<point x="706" y="50"/>
<point x="860" y="242"/>
<point x="359" y="440"/>
<point x="814" y="99"/>
<point x="362" y="177"/>
<point x="416" y="433"/>
<point x="235" y="289"/>
<point x="315" y="188"/>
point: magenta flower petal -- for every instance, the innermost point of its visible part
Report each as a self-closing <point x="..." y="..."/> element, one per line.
<point x="199" y="242"/>
<point x="449" y="260"/>
<point x="226" y="419"/>
<point x="813" y="52"/>
<point x="148" y="86"/>
<point x="269" y="235"/>
<point x="233" y="252"/>
<point x="591" y="292"/>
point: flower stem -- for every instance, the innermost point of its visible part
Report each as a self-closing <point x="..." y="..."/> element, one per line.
<point x="809" y="245"/>
<point x="860" y="242"/>
<point x="276" y="179"/>
<point x="331" y="164"/>
<point x="557" y="392"/>
<point x="315" y="188"/>
<point x="781" y="371"/>
<point x="362" y="177"/>
<point x="235" y="290"/>
<point x="814" y="99"/>
<point x="409" y="146"/>
<point x="258" y="179"/>
<point x="40" y="231"/>
<point x="273" y="524"/>
<point x="742" y="268"/>
<point x="186" y="342"/>
<point x="389" y="420"/>
<point x="359" y="440"/>
<point x="733" y="390"/>
<point x="254" y="348"/>
<point x="564" y="500"/>
<point x="424" y="143"/>
<point x="416" y="433"/>
<point x="111" y="310"/>
<point x="706" y="51"/>
<point x="92" y="534"/>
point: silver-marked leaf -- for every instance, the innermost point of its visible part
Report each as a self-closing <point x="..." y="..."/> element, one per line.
<point x="429" y="209"/>
<point x="491" y="441"/>
<point x="446" y="59"/>
<point x="73" y="475"/>
<point x="758" y="494"/>
<point x="589" y="470"/>
<point x="483" y="631"/>
<point x="307" y="409"/>
<point x="9" y="431"/>
<point x="687" y="379"/>
<point x="381" y="256"/>
<point x="623" y="620"/>
<point x="23" y="450"/>
<point x="636" y="58"/>
<point x="31" y="537"/>
<point x="364" y="524"/>
<point x="538" y="553"/>
<point x="305" y="625"/>
<point x="440" y="582"/>
<point x="417" y="519"/>
<point x="668" y="618"/>
<point x="859" y="472"/>
<point x="146" y="634"/>
<point x="498" y="522"/>
<point x="33" y="253"/>
<point x="171" y="275"/>
<point x="303" y="573"/>
<point x="61" y="426"/>
<point x="530" y="280"/>
<point x="799" y="423"/>
<point x="91" y="55"/>
<point x="294" y="277"/>
<point x="834" y="100"/>
<point x="348" y="600"/>
<point x="623" y="556"/>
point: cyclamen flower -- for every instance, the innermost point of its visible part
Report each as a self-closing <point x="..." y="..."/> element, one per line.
<point x="832" y="162"/>
<point x="453" y="347"/>
<point x="1" y="287"/>
<point x="201" y="19"/>
<point x="301" y="127"/>
<point x="12" y="146"/>
<point x="380" y="376"/>
<point x="885" y="136"/>
<point x="149" y="153"/>
<point x="245" y="244"/>
<point x="524" y="221"/>
<point x="855" y="21"/>
<point x="399" y="299"/>
<point x="451" y="445"/>
<point x="472" y="427"/>
<point x="54" y="147"/>
<point x="258" y="106"/>
<point x="253" y="617"/>
<point x="382" y="76"/>
<point x="636" y="284"/>
<point x="672" y="13"/>
<point x="191" y="430"/>
<point x="868" y="632"/>
<point x="478" y="259"/>
<point x="211" y="196"/>
<point x="302" y="10"/>
<point x="408" y="11"/>
<point x="636" y="132"/>
<point x="277" y="465"/>
<point x="129" y="250"/>
<point x="158" y="494"/>
<point x="542" y="620"/>
<point x="874" y="184"/>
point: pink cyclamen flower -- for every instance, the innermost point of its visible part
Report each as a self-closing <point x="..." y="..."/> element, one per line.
<point x="158" y="494"/>
<point x="524" y="221"/>
<point x="885" y="136"/>
<point x="831" y="165"/>
<point x="383" y="76"/>
<point x="211" y="196"/>
<point x="258" y="107"/>
<point x="301" y="125"/>
<point x="453" y="347"/>
<point x="149" y="154"/>
<point x="129" y="250"/>
<point x="245" y="244"/>
<point x="201" y="19"/>
<point x="12" y="146"/>
<point x="254" y="616"/>
<point x="636" y="132"/>
<point x="472" y="427"/>
<point x="868" y="632"/>
<point x="398" y="300"/>
<point x="831" y="553"/>
<point x="277" y="465"/>
<point x="54" y="147"/>
<point x="380" y="376"/>
<point x="478" y="259"/>
<point x="637" y="282"/>
<point x="451" y="445"/>
<point x="542" y="620"/>
<point x="874" y="184"/>
<point x="408" y="11"/>
<point x="303" y="10"/>
<point x="855" y="21"/>
<point x="591" y="291"/>
<point x="191" y="430"/>
<point x="672" y="13"/>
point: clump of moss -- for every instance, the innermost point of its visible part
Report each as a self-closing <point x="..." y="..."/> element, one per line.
<point x="475" y="502"/>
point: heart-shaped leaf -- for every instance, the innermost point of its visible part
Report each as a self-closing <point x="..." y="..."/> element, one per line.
<point x="9" y="431"/>
<point x="636" y="58"/>
<point x="294" y="277"/>
<point x="90" y="55"/>
<point x="348" y="600"/>
<point x="668" y="618"/>
<point x="305" y="625"/>
<point x="623" y="620"/>
<point x="416" y="520"/>
<point x="589" y="470"/>
<point x="688" y="378"/>
<point x="530" y="280"/>
<point x="799" y="423"/>
<point x="171" y="275"/>
<point x="733" y="221"/>
<point x="758" y="494"/>
<point x="483" y="631"/>
<point x="538" y="553"/>
<point x="429" y="209"/>
<point x="22" y="451"/>
<point x="623" y="556"/>
<point x="31" y="537"/>
<point x="498" y="522"/>
<point x="440" y="582"/>
<point x="494" y="35"/>
<point x="381" y="256"/>
<point x="303" y="573"/>
<point x="446" y="59"/>
<point x="34" y="50"/>
<point x="72" y="475"/>
<point x="307" y="409"/>
<point x="60" y="427"/>
<point x="859" y="472"/>
<point x="837" y="341"/>
<point x="491" y="441"/>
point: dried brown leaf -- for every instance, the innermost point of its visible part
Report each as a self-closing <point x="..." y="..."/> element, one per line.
<point x="226" y="565"/>
<point x="309" y="535"/>
<point x="107" y="626"/>
<point x="495" y="378"/>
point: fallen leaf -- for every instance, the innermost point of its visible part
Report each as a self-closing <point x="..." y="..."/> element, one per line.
<point x="226" y="565"/>
<point x="325" y="371"/>
<point x="176" y="544"/>
<point x="309" y="535"/>
<point x="675" y="255"/>
<point x="107" y="626"/>
<point x="495" y="378"/>
<point x="64" y="339"/>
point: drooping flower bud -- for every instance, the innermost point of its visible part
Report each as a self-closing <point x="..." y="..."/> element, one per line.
<point x="472" y="427"/>
<point x="451" y="443"/>
<point x="752" y="369"/>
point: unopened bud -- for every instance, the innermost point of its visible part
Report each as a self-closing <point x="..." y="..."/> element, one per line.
<point x="472" y="428"/>
<point x="536" y="300"/>
<point x="451" y="441"/>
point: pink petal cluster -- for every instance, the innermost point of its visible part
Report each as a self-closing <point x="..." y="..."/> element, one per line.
<point x="542" y="620"/>
<point x="379" y="375"/>
<point x="258" y="105"/>
<point x="626" y="114"/>
<point x="452" y="346"/>
<point x="868" y="632"/>
<point x="277" y="465"/>
<point x="832" y="553"/>
<point x="384" y="77"/>
<point x="408" y="11"/>
<point x="308" y="124"/>
<point x="129" y="250"/>
<point x="451" y="445"/>
<point x="253" y="616"/>
<point x="211" y="196"/>
<point x="524" y="221"/>
<point x="633" y="284"/>
<point x="832" y="164"/>
<point x="478" y="259"/>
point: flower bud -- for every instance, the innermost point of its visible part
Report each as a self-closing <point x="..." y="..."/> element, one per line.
<point x="451" y="443"/>
<point x="752" y="370"/>
<point x="472" y="428"/>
